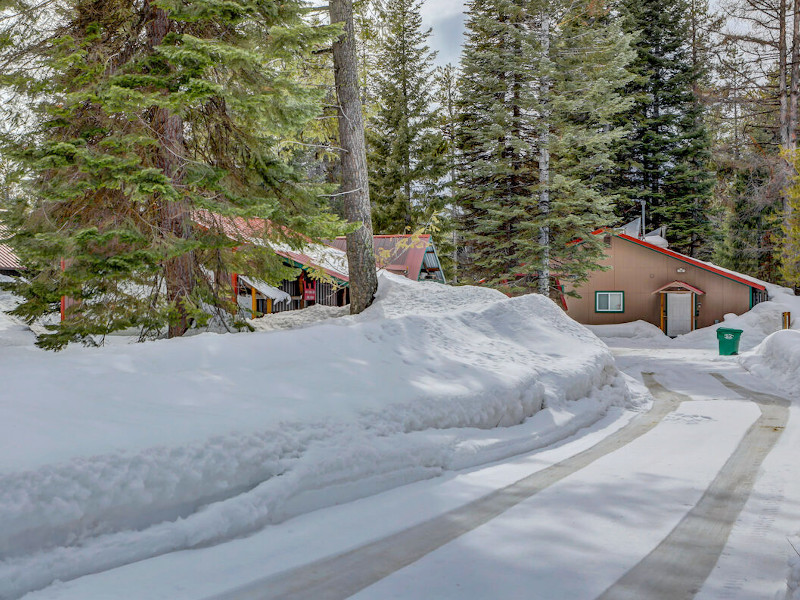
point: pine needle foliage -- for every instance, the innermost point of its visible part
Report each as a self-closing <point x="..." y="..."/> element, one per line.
<point x="133" y="118"/>
<point x="790" y="259"/>
<point x="665" y="160"/>
<point x="407" y="155"/>
<point x="507" y="116"/>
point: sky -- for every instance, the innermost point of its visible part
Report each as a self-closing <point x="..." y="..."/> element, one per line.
<point x="446" y="18"/>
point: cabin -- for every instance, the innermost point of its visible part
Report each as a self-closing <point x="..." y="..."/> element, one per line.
<point x="645" y="281"/>
<point x="255" y="296"/>
<point x="305" y="290"/>
<point x="412" y="256"/>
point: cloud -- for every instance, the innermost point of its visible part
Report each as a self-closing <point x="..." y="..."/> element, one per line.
<point x="447" y="36"/>
<point x="435" y="10"/>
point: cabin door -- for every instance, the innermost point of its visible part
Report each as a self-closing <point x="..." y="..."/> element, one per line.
<point x="679" y="314"/>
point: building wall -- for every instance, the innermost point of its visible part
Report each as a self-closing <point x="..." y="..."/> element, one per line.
<point x="638" y="271"/>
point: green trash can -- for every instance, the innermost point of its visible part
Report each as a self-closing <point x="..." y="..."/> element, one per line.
<point x="728" y="340"/>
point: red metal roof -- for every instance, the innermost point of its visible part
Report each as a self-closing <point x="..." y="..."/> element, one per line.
<point x="693" y="261"/>
<point x="679" y="284"/>
<point x="238" y="228"/>
<point x="401" y="254"/>
<point x="8" y="260"/>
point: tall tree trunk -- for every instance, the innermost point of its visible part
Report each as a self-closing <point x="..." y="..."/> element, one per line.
<point x="355" y="183"/>
<point x="794" y="90"/>
<point x="544" y="161"/>
<point x="783" y="77"/>
<point x="175" y="216"/>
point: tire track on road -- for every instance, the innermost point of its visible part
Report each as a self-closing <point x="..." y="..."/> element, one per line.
<point x="677" y="568"/>
<point x="340" y="576"/>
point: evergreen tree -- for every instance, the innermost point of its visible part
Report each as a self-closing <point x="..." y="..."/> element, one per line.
<point x="407" y="155"/>
<point x="748" y="195"/>
<point x="665" y="159"/>
<point x="142" y="115"/>
<point x="446" y="96"/>
<point x="540" y="89"/>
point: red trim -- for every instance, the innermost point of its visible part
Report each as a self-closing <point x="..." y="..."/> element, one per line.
<point x="63" y="298"/>
<point x="692" y="261"/>
<point x="235" y="285"/>
<point x="561" y="294"/>
<point x="681" y="284"/>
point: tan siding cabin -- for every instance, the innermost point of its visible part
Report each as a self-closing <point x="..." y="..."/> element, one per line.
<point x="674" y="292"/>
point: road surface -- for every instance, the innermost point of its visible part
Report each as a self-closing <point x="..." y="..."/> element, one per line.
<point x="607" y="552"/>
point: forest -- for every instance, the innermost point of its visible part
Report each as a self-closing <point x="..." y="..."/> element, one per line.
<point x="122" y="119"/>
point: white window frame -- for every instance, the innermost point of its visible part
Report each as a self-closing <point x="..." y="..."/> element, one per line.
<point x="609" y="295"/>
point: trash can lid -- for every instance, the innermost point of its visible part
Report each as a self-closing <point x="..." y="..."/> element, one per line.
<point x="725" y="333"/>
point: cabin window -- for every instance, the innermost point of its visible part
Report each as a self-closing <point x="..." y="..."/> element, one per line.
<point x="613" y="302"/>
<point x="757" y="297"/>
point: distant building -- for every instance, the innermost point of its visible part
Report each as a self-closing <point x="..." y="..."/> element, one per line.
<point x="648" y="282"/>
<point x="412" y="256"/>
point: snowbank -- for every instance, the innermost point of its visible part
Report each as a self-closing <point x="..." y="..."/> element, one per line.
<point x="756" y="324"/>
<point x="632" y="330"/>
<point x="112" y="455"/>
<point x="13" y="332"/>
<point x="292" y="319"/>
<point x="777" y="359"/>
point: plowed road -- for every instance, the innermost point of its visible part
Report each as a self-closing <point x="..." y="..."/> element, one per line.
<point x="644" y="514"/>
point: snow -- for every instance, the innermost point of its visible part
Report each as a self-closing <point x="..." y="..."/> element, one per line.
<point x="564" y="519"/>
<point x="754" y="561"/>
<point x="293" y="319"/>
<point x="204" y="572"/>
<point x="657" y="240"/>
<point x="777" y="358"/>
<point x="13" y="331"/>
<point x="639" y="330"/>
<point x="114" y="455"/>
<point x="321" y="255"/>
<point x="266" y="289"/>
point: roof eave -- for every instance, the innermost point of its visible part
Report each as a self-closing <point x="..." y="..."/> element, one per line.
<point x="690" y="261"/>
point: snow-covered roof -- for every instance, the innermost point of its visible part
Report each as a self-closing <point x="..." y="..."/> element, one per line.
<point x="329" y="260"/>
<point x="265" y="289"/>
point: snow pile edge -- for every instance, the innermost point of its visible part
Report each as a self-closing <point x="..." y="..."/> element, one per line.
<point x="429" y="369"/>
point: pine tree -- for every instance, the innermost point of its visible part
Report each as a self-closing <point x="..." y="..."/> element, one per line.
<point x="665" y="159"/>
<point x="143" y="115"/>
<point x="748" y="197"/>
<point x="446" y="96"/>
<point x="407" y="155"/>
<point x="539" y="92"/>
